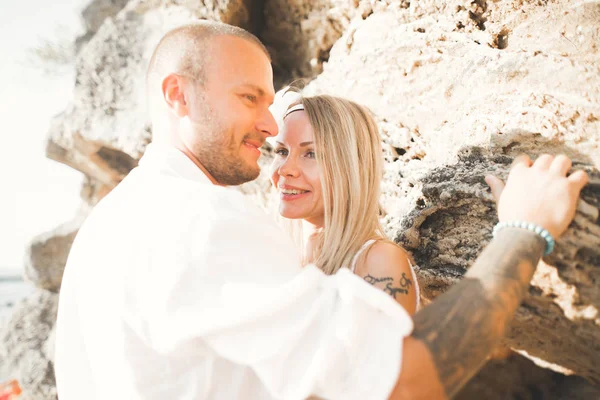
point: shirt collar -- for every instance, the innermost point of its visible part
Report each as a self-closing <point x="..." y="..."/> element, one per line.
<point x="168" y="159"/>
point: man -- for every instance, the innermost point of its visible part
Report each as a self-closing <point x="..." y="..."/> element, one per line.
<point x="177" y="287"/>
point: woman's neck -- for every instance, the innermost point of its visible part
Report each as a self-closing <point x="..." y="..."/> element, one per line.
<point x="311" y="237"/>
<point x="310" y="228"/>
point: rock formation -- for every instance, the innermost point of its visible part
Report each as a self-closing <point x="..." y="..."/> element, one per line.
<point x="47" y="254"/>
<point x="27" y="346"/>
<point x="516" y="377"/>
<point x="452" y="222"/>
<point x="458" y="89"/>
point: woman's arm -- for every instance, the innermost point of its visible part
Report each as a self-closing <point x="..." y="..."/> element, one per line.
<point x="386" y="267"/>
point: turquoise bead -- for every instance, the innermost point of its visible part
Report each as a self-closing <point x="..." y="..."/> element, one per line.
<point x="530" y="227"/>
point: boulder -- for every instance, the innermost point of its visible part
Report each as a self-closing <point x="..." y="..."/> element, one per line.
<point x="93" y="16"/>
<point x="516" y="377"/>
<point x="27" y="346"/>
<point x="451" y="223"/>
<point x="299" y="34"/>
<point x="437" y="83"/>
<point x="46" y="255"/>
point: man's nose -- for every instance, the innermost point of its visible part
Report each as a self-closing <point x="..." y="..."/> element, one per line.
<point x="267" y="124"/>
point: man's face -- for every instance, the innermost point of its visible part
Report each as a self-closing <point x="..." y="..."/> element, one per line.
<point x="229" y="114"/>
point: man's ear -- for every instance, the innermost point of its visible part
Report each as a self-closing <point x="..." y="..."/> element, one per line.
<point x="172" y="89"/>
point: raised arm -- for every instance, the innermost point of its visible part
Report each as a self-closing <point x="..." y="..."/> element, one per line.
<point x="454" y="335"/>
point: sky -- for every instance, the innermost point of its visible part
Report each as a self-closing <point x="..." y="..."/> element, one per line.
<point x="37" y="194"/>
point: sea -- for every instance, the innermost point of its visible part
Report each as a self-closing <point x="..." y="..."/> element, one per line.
<point x="13" y="289"/>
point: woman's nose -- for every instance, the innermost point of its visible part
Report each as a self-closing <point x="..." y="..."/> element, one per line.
<point x="289" y="168"/>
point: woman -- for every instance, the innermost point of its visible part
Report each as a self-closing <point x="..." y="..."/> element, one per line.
<point x="327" y="171"/>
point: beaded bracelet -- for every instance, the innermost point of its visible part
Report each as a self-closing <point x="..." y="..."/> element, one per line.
<point x="531" y="227"/>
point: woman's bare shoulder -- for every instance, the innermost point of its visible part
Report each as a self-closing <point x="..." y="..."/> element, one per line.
<point x="385" y="257"/>
<point x="387" y="267"/>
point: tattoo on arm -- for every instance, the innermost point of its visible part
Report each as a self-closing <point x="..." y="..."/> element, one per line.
<point x="463" y="325"/>
<point x="372" y="280"/>
<point x="402" y="287"/>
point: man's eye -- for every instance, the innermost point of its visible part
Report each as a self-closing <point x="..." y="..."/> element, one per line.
<point x="251" y="97"/>
<point x="281" y="152"/>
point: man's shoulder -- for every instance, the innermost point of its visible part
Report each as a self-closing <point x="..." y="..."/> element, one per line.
<point x="159" y="205"/>
<point x="227" y="202"/>
<point x="164" y="190"/>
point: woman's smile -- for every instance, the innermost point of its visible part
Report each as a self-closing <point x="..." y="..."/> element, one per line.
<point x="290" y="193"/>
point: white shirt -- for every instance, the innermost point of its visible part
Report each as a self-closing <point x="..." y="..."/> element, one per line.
<point x="179" y="289"/>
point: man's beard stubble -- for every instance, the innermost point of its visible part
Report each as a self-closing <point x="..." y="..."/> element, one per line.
<point x="218" y="152"/>
<point x="221" y="158"/>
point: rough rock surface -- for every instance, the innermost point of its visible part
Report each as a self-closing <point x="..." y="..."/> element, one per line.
<point x="299" y="34"/>
<point x="93" y="16"/>
<point x="451" y="224"/>
<point x="437" y="83"/>
<point x="516" y="377"/>
<point x="46" y="256"/>
<point x="27" y="346"/>
<point x="96" y="12"/>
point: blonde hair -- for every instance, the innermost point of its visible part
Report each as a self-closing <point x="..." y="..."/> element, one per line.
<point x="349" y="155"/>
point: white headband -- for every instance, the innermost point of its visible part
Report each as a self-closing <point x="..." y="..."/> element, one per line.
<point x="290" y="110"/>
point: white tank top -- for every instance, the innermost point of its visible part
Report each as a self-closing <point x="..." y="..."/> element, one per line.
<point x="368" y="244"/>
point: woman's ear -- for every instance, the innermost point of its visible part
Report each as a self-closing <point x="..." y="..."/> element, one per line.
<point x="172" y="89"/>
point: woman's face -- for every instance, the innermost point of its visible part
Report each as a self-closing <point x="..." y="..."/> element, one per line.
<point x="295" y="173"/>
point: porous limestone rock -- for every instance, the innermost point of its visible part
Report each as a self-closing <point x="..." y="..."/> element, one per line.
<point x="299" y="34"/>
<point x="516" y="377"/>
<point x="435" y="87"/>
<point x="93" y="16"/>
<point x="451" y="223"/>
<point x="27" y="346"/>
<point x="46" y="255"/>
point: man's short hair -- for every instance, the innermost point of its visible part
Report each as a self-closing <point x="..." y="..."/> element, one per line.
<point x="185" y="49"/>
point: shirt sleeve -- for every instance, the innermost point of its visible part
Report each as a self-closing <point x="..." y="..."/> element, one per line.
<point x="235" y="285"/>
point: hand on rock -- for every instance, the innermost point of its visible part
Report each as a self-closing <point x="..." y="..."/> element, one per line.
<point x="539" y="192"/>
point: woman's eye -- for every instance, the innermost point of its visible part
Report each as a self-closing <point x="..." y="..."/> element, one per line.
<point x="281" y="152"/>
<point x="310" y="154"/>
